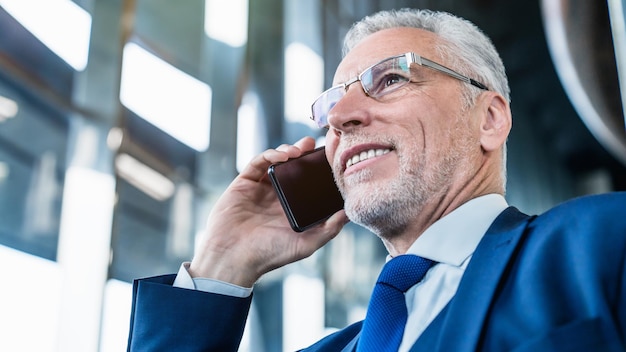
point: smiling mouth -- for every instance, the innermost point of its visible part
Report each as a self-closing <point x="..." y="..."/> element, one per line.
<point x="364" y="155"/>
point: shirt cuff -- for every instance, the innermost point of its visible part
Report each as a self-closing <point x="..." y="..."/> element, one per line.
<point x="184" y="280"/>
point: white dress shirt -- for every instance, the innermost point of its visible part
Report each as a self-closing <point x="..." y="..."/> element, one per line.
<point x="450" y="242"/>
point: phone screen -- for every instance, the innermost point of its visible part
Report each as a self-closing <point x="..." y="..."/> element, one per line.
<point x="306" y="189"/>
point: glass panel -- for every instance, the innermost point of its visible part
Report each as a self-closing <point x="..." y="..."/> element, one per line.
<point x="151" y="237"/>
<point x="32" y="159"/>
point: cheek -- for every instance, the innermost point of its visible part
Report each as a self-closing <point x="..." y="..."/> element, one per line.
<point x="428" y="143"/>
<point x="331" y="146"/>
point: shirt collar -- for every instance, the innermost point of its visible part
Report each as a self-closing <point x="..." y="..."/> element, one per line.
<point x="453" y="238"/>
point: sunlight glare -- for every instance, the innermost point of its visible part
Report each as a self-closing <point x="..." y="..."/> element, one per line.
<point x="167" y="97"/>
<point x="227" y="21"/>
<point x="61" y="25"/>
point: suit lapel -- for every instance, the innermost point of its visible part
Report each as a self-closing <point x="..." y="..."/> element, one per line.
<point x="458" y="326"/>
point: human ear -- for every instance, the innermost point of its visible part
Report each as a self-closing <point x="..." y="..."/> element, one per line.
<point x="496" y="121"/>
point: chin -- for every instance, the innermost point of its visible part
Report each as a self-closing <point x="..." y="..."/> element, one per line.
<point x="383" y="216"/>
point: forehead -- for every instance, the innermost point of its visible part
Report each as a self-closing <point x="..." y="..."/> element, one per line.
<point x="383" y="44"/>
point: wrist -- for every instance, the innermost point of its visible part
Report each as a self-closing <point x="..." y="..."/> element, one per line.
<point x="222" y="271"/>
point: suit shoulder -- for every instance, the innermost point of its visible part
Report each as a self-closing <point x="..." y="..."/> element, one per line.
<point x="593" y="213"/>
<point x="605" y="204"/>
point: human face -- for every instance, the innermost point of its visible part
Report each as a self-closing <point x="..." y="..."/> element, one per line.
<point x="393" y="159"/>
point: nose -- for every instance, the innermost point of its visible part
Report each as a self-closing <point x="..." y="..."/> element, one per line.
<point x="351" y="110"/>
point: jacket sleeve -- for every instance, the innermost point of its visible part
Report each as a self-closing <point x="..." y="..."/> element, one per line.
<point x="167" y="318"/>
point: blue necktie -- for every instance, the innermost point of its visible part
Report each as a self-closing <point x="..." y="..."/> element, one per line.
<point x="387" y="313"/>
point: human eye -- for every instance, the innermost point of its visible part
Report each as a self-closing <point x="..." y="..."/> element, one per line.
<point x="392" y="78"/>
<point x="387" y="76"/>
<point x="386" y="82"/>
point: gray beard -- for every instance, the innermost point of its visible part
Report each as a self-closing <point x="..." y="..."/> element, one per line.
<point x="387" y="208"/>
<point x="383" y="216"/>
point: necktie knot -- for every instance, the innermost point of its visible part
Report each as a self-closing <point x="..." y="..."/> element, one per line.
<point x="404" y="271"/>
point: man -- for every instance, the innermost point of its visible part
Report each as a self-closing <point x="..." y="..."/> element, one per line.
<point x="417" y="125"/>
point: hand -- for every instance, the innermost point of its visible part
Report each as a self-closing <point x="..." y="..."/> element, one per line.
<point x="248" y="233"/>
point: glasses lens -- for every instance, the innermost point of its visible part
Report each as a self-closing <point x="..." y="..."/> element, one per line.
<point x="386" y="76"/>
<point x="326" y="101"/>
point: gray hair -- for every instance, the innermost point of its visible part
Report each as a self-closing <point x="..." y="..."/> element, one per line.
<point x="464" y="46"/>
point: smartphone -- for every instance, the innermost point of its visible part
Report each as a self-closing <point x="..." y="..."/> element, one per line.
<point x="306" y="189"/>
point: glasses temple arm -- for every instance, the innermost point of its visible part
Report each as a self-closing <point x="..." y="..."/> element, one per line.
<point x="431" y="64"/>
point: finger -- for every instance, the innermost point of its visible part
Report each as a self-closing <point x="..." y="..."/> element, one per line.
<point x="305" y="144"/>
<point x="283" y="147"/>
<point x="257" y="168"/>
<point x="318" y="236"/>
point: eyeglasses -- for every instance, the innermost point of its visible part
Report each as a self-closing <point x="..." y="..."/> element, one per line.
<point x="378" y="80"/>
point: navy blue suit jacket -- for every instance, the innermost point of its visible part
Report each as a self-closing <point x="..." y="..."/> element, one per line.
<point x="555" y="282"/>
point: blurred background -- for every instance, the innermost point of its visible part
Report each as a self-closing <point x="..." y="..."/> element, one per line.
<point x="122" y="121"/>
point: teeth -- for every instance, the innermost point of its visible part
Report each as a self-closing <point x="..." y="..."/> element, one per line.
<point x="366" y="155"/>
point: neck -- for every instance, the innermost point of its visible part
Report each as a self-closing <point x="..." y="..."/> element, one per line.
<point x="399" y="243"/>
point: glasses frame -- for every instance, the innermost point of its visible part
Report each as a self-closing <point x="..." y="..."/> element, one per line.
<point x="411" y="58"/>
